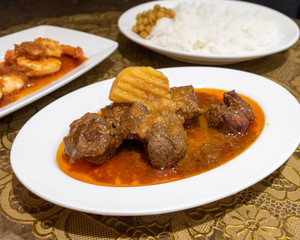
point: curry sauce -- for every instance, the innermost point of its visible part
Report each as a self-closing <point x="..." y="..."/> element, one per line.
<point x="207" y="148"/>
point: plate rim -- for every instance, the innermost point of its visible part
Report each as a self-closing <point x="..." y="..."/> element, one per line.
<point x="65" y="79"/>
<point x="145" y="191"/>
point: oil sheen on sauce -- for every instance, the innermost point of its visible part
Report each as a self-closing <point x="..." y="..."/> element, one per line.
<point x="34" y="84"/>
<point x="204" y="145"/>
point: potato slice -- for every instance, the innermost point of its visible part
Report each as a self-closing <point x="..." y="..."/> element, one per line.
<point x="139" y="84"/>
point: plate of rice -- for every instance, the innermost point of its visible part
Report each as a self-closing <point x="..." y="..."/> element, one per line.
<point x="209" y="32"/>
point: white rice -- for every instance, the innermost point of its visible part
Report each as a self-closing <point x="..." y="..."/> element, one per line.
<point x="206" y="29"/>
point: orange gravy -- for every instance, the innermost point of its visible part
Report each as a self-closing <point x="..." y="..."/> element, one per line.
<point x="34" y="84"/>
<point x="130" y="167"/>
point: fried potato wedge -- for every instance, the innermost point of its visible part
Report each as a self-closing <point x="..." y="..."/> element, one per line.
<point x="139" y="84"/>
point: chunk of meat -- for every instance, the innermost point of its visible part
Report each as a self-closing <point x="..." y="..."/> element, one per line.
<point x="161" y="131"/>
<point x="160" y="128"/>
<point x="90" y="139"/>
<point x="186" y="104"/>
<point x="165" y="142"/>
<point x="115" y="112"/>
<point x="233" y="100"/>
<point x="125" y="118"/>
<point x="232" y="117"/>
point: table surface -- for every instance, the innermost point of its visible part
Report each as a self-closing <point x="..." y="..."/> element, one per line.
<point x="241" y="216"/>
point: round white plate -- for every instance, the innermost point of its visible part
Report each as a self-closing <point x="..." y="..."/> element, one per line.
<point x="33" y="154"/>
<point x="287" y="28"/>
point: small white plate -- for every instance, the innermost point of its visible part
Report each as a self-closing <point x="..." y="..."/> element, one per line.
<point x="33" y="154"/>
<point x="95" y="48"/>
<point x="287" y="28"/>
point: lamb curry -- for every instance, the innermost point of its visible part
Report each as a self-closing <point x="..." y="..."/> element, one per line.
<point x="206" y="146"/>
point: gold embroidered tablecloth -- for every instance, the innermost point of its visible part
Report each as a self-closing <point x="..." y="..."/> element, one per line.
<point x="269" y="209"/>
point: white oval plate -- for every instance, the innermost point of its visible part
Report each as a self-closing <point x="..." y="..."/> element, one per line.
<point x="95" y="48"/>
<point x="288" y="29"/>
<point x="33" y="154"/>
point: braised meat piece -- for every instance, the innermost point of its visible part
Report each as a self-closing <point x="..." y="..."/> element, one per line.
<point x="232" y="117"/>
<point x="165" y="141"/>
<point x="96" y="137"/>
<point x="233" y="100"/>
<point x="125" y="118"/>
<point x="186" y="104"/>
<point x="160" y="130"/>
<point x="115" y="112"/>
<point x="90" y="139"/>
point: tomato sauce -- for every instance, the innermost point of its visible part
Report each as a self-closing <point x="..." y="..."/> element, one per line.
<point x="130" y="167"/>
<point x="34" y="84"/>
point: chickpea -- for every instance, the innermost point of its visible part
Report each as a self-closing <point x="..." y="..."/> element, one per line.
<point x="143" y="34"/>
<point x="172" y="14"/>
<point x="148" y="29"/>
<point x="138" y="16"/>
<point x="151" y="16"/>
<point x="135" y="29"/>
<point x="141" y="27"/>
<point x="147" y="19"/>
<point x="140" y="21"/>
<point x="159" y="15"/>
<point x="162" y="10"/>
<point x="156" y="7"/>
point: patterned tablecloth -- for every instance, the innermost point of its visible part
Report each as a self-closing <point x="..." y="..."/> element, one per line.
<point x="269" y="209"/>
